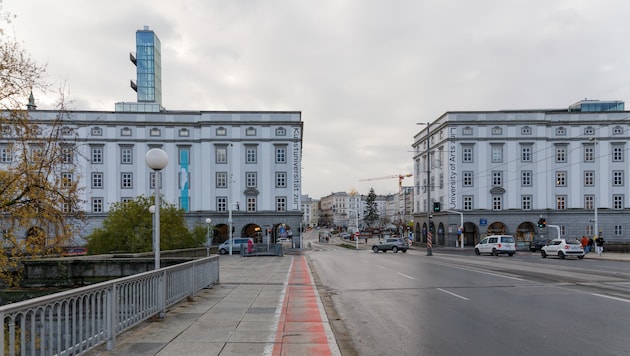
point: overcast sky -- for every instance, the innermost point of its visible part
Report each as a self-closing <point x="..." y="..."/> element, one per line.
<point x="362" y="72"/>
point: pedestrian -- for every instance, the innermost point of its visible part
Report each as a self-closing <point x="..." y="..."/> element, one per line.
<point x="585" y="244"/>
<point x="250" y="246"/>
<point x="599" y="245"/>
<point x="590" y="244"/>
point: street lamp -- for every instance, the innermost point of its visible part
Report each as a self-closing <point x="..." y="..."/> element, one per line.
<point x="157" y="160"/>
<point x="152" y="211"/>
<point x="208" y="239"/>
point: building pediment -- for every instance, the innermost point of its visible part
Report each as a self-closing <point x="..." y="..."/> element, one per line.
<point x="497" y="190"/>
<point x="250" y="192"/>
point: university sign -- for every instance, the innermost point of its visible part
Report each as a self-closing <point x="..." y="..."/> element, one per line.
<point x="296" y="168"/>
<point x="452" y="169"/>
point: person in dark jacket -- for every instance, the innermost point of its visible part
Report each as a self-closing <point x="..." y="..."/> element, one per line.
<point x="599" y="245"/>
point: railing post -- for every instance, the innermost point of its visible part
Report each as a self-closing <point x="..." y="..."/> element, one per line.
<point x="110" y="314"/>
<point x="161" y="294"/>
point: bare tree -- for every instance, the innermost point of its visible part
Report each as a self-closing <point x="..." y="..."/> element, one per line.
<point x="39" y="191"/>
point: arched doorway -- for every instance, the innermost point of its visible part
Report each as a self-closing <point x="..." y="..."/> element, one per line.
<point x="497" y="228"/>
<point x="471" y="234"/>
<point x="254" y="231"/>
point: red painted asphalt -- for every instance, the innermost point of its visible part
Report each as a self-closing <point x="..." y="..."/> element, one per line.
<point x="301" y="329"/>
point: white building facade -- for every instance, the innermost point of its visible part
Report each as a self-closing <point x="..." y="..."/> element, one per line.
<point x="505" y="170"/>
<point x="249" y="162"/>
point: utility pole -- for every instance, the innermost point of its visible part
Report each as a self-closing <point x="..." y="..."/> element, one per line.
<point x="429" y="205"/>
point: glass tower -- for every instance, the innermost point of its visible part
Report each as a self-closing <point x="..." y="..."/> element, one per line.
<point x="148" y="66"/>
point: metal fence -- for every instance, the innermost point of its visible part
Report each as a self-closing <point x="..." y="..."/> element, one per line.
<point x="78" y="320"/>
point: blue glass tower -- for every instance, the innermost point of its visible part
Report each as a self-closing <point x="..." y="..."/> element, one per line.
<point x="148" y="63"/>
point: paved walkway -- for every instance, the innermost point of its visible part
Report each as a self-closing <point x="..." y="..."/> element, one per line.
<point x="262" y="306"/>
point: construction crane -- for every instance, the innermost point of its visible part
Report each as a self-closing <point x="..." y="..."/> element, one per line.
<point x="399" y="176"/>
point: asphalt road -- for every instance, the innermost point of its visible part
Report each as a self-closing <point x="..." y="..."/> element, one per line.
<point x="457" y="303"/>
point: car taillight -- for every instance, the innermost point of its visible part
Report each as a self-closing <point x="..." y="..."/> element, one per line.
<point x="499" y="245"/>
<point x="566" y="247"/>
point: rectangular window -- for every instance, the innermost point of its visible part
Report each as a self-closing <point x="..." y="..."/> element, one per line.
<point x="97" y="180"/>
<point x="617" y="178"/>
<point x="152" y="178"/>
<point x="618" y="230"/>
<point x="526" y="153"/>
<point x="67" y="155"/>
<point x="617" y="153"/>
<point x="467" y="178"/>
<point x="617" y="201"/>
<point x="97" y="155"/>
<point x="467" y="154"/>
<point x="561" y="154"/>
<point x="66" y="179"/>
<point x="497" y="178"/>
<point x="221" y="179"/>
<point x="126" y="155"/>
<point x="467" y="202"/>
<point x="250" y="179"/>
<point x="589" y="153"/>
<point x="281" y="204"/>
<point x="6" y="156"/>
<point x="561" y="179"/>
<point x="526" y="202"/>
<point x="526" y="178"/>
<point x="281" y="179"/>
<point x="589" y="202"/>
<point x="497" y="202"/>
<point x="222" y="204"/>
<point x="589" y="178"/>
<point x="497" y="153"/>
<point x="126" y="180"/>
<point x="281" y="154"/>
<point x="97" y="205"/>
<point x="250" y="155"/>
<point x="561" y="202"/>
<point x="251" y="204"/>
<point x="221" y="155"/>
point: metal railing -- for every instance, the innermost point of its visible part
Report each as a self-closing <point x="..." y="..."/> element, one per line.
<point x="75" y="321"/>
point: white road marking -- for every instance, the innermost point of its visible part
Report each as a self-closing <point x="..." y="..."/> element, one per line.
<point x="405" y="275"/>
<point x="453" y="294"/>
<point x="492" y="274"/>
<point x="610" y="297"/>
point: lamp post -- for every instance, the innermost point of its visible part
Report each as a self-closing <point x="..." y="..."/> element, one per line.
<point x="208" y="239"/>
<point x="152" y="211"/>
<point x="157" y="160"/>
<point x="429" y="215"/>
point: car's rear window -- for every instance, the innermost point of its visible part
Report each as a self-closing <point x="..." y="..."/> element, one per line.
<point x="507" y="239"/>
<point x="573" y="242"/>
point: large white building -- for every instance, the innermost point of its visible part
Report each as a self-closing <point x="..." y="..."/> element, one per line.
<point x="248" y="162"/>
<point x="505" y="170"/>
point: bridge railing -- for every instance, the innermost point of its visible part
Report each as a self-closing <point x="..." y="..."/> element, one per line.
<point x="75" y="321"/>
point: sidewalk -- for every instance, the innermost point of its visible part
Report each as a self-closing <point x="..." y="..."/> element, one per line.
<point x="262" y="306"/>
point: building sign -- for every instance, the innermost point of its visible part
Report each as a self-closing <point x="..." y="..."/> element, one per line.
<point x="452" y="169"/>
<point x="297" y="154"/>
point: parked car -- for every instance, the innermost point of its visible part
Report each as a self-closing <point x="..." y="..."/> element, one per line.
<point x="496" y="244"/>
<point x="236" y="245"/>
<point x="563" y="248"/>
<point x="344" y="235"/>
<point x="536" y="244"/>
<point x="393" y="244"/>
<point x="282" y="239"/>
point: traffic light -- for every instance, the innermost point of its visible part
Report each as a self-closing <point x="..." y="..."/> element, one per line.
<point x="436" y="206"/>
<point x="542" y="223"/>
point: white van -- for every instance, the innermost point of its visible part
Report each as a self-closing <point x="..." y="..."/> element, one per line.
<point x="496" y="244"/>
<point x="236" y="245"/>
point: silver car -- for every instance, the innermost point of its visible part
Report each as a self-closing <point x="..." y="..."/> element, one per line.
<point x="563" y="248"/>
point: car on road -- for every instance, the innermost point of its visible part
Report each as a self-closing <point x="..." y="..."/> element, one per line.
<point x="392" y="243"/>
<point x="536" y="244"/>
<point x="236" y="245"/>
<point x="563" y="248"/>
<point x="496" y="245"/>
<point x="282" y="239"/>
<point x="344" y="235"/>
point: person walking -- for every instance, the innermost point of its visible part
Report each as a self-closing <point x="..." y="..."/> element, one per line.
<point x="585" y="246"/>
<point x="591" y="244"/>
<point x="599" y="245"/>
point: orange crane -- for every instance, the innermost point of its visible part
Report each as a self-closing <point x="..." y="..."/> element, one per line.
<point x="399" y="176"/>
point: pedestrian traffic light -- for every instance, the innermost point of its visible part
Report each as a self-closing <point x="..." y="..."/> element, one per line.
<point x="542" y="223"/>
<point x="436" y="206"/>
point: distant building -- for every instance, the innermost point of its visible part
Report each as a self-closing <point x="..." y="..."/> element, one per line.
<point x="504" y="170"/>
